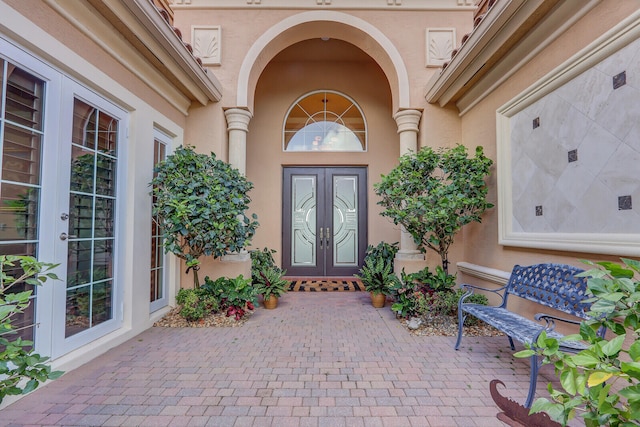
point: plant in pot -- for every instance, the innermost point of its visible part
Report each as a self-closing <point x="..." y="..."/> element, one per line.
<point x="434" y="193"/>
<point x="201" y="202"/>
<point x="378" y="278"/>
<point x="271" y="286"/>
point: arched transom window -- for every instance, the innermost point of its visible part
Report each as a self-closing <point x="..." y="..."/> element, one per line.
<point x="325" y="121"/>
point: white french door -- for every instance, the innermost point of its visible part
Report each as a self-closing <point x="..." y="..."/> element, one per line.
<point x="86" y="304"/>
<point x="60" y="145"/>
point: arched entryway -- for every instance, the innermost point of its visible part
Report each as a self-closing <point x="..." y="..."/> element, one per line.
<point x="311" y="52"/>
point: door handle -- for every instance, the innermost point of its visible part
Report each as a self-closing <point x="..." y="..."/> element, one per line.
<point x="328" y="236"/>
<point x="321" y="236"/>
<point x="65" y="236"/>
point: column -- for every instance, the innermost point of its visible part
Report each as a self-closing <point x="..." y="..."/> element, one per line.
<point x="407" y="122"/>
<point x="237" y="127"/>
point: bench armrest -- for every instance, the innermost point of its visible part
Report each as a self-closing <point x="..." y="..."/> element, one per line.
<point x="470" y="290"/>
<point x="551" y="319"/>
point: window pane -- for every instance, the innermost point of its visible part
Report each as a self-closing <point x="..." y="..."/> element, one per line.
<point x="19" y="212"/>
<point x="82" y="169"/>
<point x="84" y="124"/>
<point x="24" y="99"/>
<point x="79" y="263"/>
<point x="21" y="155"/>
<point x="21" y="119"/>
<point x="77" y="319"/>
<point x="324" y="121"/>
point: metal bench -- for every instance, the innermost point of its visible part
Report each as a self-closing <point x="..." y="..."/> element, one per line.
<point x="551" y="285"/>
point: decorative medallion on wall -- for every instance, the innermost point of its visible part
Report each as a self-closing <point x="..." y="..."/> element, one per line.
<point x="206" y="43"/>
<point x="439" y="45"/>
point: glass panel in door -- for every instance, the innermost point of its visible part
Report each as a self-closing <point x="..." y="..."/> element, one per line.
<point x="91" y="238"/>
<point x="324" y="221"/>
<point x="21" y="133"/>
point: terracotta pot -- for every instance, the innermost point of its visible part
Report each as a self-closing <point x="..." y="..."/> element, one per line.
<point x="270" y="303"/>
<point x="378" y="300"/>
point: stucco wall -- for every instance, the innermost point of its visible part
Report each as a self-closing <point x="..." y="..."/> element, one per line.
<point x="479" y="128"/>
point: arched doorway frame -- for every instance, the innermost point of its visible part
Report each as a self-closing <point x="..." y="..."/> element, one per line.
<point x="332" y="24"/>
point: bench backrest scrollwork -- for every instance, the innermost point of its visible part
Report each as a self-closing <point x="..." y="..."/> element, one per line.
<point x="552" y="285"/>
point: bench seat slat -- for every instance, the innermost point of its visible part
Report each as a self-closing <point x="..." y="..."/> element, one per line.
<point x="517" y="327"/>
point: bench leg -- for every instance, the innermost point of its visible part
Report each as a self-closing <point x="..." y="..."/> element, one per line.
<point x="535" y="365"/>
<point x="461" y="318"/>
<point x="513" y="347"/>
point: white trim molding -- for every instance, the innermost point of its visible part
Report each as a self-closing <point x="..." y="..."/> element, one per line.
<point x="499" y="277"/>
<point x="512" y="233"/>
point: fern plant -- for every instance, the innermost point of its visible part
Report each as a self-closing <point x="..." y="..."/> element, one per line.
<point x="377" y="276"/>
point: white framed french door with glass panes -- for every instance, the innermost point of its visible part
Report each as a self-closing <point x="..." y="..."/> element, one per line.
<point x="92" y="135"/>
<point x="61" y="146"/>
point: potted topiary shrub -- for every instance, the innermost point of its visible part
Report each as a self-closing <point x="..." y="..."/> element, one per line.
<point x="434" y="193"/>
<point x="201" y="203"/>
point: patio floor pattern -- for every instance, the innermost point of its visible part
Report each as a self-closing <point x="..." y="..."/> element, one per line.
<point x="319" y="359"/>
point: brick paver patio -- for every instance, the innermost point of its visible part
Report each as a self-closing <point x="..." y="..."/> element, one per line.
<point x="319" y="359"/>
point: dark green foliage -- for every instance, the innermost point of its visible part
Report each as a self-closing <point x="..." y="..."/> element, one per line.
<point x="602" y="383"/>
<point x="377" y="275"/>
<point x="234" y="295"/>
<point x="433" y="194"/>
<point x="196" y="303"/>
<point x="384" y="250"/>
<point x="445" y="303"/>
<point x="427" y="293"/>
<point x="18" y="362"/>
<point x="262" y="259"/>
<point x="270" y="282"/>
<point x="201" y="203"/>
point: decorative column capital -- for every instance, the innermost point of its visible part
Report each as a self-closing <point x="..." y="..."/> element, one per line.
<point x="238" y="119"/>
<point x="407" y="120"/>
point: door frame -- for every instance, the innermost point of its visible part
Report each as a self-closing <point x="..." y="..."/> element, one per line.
<point x="324" y="265"/>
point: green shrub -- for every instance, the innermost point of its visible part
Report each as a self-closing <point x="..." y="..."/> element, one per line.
<point x="196" y="303"/>
<point x="21" y="370"/>
<point x="235" y="295"/>
<point x="383" y="250"/>
<point x="445" y="303"/>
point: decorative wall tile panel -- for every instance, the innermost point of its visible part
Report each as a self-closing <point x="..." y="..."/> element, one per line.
<point x="592" y="192"/>
<point x="206" y="44"/>
<point x="439" y="45"/>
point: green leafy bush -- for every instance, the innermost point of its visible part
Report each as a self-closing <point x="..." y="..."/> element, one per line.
<point x="377" y="275"/>
<point x="196" y="303"/>
<point x="384" y="250"/>
<point x="434" y="193"/>
<point x="201" y="202"/>
<point x="602" y="383"/>
<point x="235" y="295"/>
<point x="18" y="362"/>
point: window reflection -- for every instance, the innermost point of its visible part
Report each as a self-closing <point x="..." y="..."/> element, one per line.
<point x="325" y="121"/>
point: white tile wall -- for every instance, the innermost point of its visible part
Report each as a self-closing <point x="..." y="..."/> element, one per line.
<point x="603" y="124"/>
